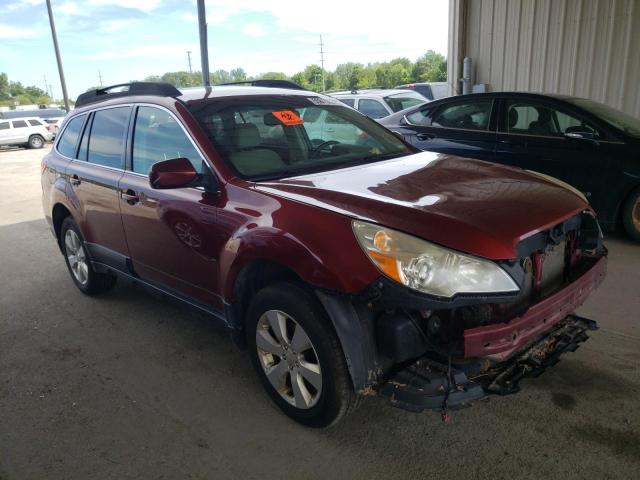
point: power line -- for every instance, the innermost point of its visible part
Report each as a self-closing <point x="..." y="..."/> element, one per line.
<point x="322" y="61"/>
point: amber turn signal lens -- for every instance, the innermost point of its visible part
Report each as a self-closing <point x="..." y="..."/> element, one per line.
<point x="382" y="240"/>
<point x="387" y="265"/>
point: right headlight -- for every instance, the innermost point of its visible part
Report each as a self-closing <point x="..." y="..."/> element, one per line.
<point x="430" y="268"/>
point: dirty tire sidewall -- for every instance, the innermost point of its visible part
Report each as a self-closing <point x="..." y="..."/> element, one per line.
<point x="632" y="228"/>
<point x="337" y="397"/>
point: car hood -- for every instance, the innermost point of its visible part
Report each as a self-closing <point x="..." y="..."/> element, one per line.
<point x="469" y="205"/>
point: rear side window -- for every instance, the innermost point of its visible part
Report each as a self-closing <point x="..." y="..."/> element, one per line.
<point x="4" y="125"/>
<point x="69" y="138"/>
<point x="157" y="137"/>
<point x="469" y="115"/>
<point x="372" y="108"/>
<point x="19" y="124"/>
<point x="35" y="123"/>
<point x="348" y="101"/>
<point x="106" y="143"/>
<point x="401" y="101"/>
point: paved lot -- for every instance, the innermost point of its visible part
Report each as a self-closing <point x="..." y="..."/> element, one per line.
<point x="128" y="385"/>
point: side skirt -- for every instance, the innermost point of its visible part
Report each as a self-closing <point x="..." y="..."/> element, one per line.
<point x="105" y="260"/>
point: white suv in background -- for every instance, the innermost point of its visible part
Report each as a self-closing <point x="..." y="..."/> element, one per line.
<point x="30" y="131"/>
<point x="379" y="103"/>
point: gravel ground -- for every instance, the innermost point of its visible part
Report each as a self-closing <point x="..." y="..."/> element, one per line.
<point x="129" y="385"/>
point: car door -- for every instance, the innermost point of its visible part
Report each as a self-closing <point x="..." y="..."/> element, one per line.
<point x="5" y="133"/>
<point x="464" y="127"/>
<point x="170" y="233"/>
<point x="93" y="175"/>
<point x="537" y="135"/>
<point x="20" y="131"/>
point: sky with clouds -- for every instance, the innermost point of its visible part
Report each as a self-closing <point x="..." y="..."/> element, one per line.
<point x="131" y="39"/>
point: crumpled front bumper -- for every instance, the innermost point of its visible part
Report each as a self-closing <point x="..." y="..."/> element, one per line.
<point x="500" y="341"/>
<point x="431" y="385"/>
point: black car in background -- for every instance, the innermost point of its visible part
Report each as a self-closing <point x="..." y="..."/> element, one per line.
<point x="591" y="146"/>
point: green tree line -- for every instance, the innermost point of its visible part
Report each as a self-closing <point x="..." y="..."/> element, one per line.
<point x="430" y="67"/>
<point x="12" y="92"/>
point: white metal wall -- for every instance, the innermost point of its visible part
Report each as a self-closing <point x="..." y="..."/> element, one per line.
<point x="586" y="48"/>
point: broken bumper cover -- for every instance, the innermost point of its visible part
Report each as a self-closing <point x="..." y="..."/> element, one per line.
<point x="429" y="385"/>
<point x="500" y="341"/>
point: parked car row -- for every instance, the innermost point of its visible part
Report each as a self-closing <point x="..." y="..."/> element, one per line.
<point x="346" y="264"/>
<point x="591" y="146"/>
<point x="379" y="103"/>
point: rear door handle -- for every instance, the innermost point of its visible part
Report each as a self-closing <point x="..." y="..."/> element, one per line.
<point x="75" y="180"/>
<point x="130" y="197"/>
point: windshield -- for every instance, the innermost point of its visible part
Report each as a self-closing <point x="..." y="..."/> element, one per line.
<point x="616" y="118"/>
<point x="277" y="137"/>
<point x="400" y="101"/>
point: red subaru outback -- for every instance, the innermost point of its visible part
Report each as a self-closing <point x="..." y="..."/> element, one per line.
<point x="345" y="261"/>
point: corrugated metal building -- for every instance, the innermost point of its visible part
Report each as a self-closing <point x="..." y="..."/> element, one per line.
<point x="586" y="48"/>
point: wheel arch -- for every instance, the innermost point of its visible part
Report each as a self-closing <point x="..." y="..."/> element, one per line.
<point x="355" y="333"/>
<point x="58" y="214"/>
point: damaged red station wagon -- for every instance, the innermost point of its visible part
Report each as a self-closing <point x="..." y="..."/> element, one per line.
<point x="346" y="262"/>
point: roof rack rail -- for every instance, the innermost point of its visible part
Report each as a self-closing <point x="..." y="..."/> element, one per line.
<point x="266" y="83"/>
<point x="128" y="90"/>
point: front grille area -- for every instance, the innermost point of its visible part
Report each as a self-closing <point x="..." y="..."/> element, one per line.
<point x="553" y="267"/>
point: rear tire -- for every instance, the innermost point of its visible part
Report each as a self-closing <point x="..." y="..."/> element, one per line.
<point x="78" y="261"/>
<point x="36" y="141"/>
<point x="310" y="381"/>
<point x="631" y="215"/>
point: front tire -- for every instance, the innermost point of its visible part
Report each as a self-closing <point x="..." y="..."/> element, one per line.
<point x="631" y="215"/>
<point x="75" y="254"/>
<point x="36" y="141"/>
<point x="298" y="357"/>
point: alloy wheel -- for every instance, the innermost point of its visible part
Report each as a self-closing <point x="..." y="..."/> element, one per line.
<point x="289" y="359"/>
<point x="635" y="214"/>
<point x="76" y="257"/>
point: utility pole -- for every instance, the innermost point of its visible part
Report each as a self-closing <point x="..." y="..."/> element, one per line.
<point x="204" y="47"/>
<point x="189" y="59"/>
<point x="322" y="62"/>
<point x="100" y="77"/>
<point x="58" y="59"/>
<point x="47" y="87"/>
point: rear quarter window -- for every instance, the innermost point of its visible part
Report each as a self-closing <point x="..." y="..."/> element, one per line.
<point x="69" y="138"/>
<point x="35" y="123"/>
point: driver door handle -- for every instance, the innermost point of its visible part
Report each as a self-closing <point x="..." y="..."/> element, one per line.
<point x="130" y="197"/>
